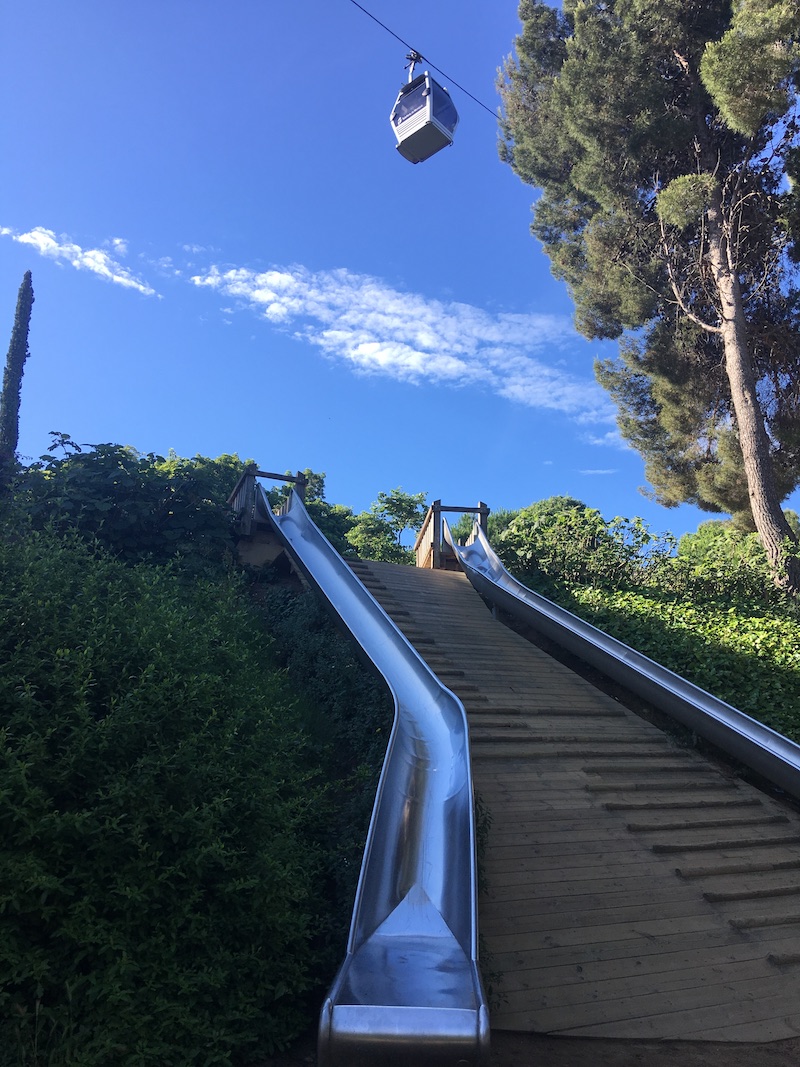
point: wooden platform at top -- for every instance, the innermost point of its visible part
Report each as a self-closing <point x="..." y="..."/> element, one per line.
<point x="634" y="889"/>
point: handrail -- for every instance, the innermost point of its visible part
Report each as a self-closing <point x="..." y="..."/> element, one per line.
<point x="242" y="499"/>
<point x="409" y="984"/>
<point x="428" y="545"/>
<point x="767" y="752"/>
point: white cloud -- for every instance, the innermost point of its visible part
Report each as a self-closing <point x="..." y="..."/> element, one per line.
<point x="379" y="330"/>
<point x="374" y="329"/>
<point x="612" y="439"/>
<point x="596" y="472"/>
<point x="164" y="265"/>
<point x="95" y="260"/>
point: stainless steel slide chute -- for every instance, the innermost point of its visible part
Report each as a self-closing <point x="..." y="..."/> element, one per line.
<point x="409" y="991"/>
<point x="757" y="746"/>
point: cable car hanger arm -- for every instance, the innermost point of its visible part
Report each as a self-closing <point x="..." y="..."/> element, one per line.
<point x="433" y="65"/>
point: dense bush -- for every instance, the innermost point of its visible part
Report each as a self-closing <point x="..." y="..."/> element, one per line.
<point x="720" y="560"/>
<point x="707" y="608"/>
<point x="348" y="714"/>
<point x="496" y="524"/>
<point x="746" y="656"/>
<point x="160" y="893"/>
<point x="140" y="507"/>
<point x="564" y="541"/>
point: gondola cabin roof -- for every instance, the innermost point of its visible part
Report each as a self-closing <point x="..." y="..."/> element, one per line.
<point x="423" y="118"/>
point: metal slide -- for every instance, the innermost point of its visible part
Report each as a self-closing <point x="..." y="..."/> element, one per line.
<point x="765" y="751"/>
<point x="409" y="991"/>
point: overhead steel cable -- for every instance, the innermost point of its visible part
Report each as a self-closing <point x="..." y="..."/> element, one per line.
<point x="439" y="69"/>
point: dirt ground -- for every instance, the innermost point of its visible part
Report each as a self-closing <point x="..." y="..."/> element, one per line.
<point x="534" y="1050"/>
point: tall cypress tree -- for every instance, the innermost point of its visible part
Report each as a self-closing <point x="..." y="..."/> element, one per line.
<point x="12" y="380"/>
<point x="665" y="135"/>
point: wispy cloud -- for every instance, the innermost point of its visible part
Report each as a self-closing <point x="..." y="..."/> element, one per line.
<point x="594" y="473"/>
<point x="374" y="328"/>
<point x="363" y="322"/>
<point x="612" y="439"/>
<point x="96" y="260"/>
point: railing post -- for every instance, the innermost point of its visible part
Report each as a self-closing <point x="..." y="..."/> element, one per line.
<point x="437" y="534"/>
<point x="301" y="482"/>
<point x="483" y="516"/>
<point x="242" y="499"/>
<point x="423" y="540"/>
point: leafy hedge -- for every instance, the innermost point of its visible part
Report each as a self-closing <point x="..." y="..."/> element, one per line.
<point x="705" y="607"/>
<point x="140" y="507"/>
<point x="348" y="714"/>
<point x="749" y="657"/>
<point x="161" y="887"/>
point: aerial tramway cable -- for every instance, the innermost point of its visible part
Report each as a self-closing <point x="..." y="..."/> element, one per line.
<point x="452" y="81"/>
<point x="424" y="117"/>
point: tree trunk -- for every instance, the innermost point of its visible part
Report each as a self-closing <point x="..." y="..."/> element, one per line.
<point x="765" y="504"/>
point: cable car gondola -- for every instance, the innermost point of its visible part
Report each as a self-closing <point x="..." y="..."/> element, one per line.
<point x="424" y="117"/>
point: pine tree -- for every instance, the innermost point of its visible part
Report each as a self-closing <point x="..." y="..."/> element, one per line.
<point x="12" y="381"/>
<point x="665" y="136"/>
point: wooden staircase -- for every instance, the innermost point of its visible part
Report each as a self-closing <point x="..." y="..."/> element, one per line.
<point x="634" y="888"/>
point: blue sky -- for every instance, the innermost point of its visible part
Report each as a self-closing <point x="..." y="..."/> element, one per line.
<point x="229" y="255"/>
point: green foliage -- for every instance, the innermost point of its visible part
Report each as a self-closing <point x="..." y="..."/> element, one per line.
<point x="185" y="825"/>
<point x="376" y="534"/>
<point x="372" y="538"/>
<point x="336" y="521"/>
<point x="12" y="380"/>
<point x="401" y="511"/>
<point x="137" y="506"/>
<point x="314" y="489"/>
<point x="160" y="891"/>
<point x="564" y="541"/>
<point x="497" y="522"/>
<point x="748" y="71"/>
<point x="347" y="712"/>
<point x="685" y="199"/>
<point x="663" y="135"/>
<point x="722" y="560"/>
<point x="706" y="608"/>
<point x="461" y="529"/>
<point x="669" y="382"/>
<point x="746" y="655"/>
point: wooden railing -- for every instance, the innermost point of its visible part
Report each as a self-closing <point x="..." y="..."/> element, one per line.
<point x="242" y="499"/>
<point x="428" y="545"/>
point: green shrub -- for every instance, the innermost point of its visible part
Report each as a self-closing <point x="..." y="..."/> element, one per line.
<point x="139" y="507"/>
<point x="347" y="711"/>
<point x="709" y="611"/>
<point x="745" y="653"/>
<point x="565" y="541"/>
<point x="749" y="658"/>
<point x="160" y="886"/>
<point x="719" y="560"/>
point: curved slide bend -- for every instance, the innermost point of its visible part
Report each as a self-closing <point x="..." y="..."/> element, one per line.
<point x="770" y="754"/>
<point x="409" y="990"/>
